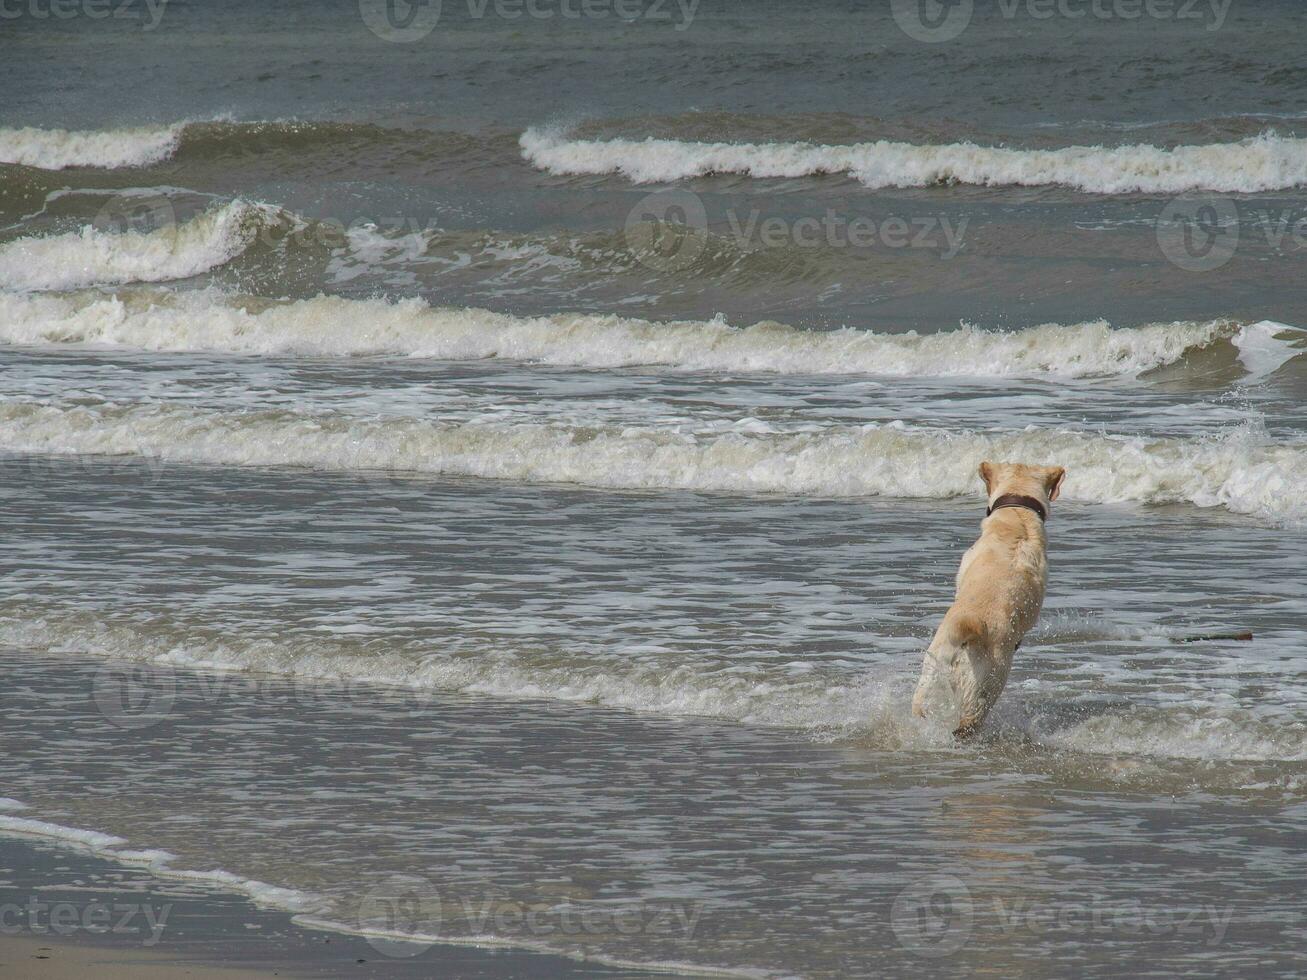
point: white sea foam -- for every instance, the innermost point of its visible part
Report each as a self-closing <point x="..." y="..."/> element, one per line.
<point x="1262" y="349"/>
<point x="331" y="326"/>
<point x="1180" y="733"/>
<point x="825" y="702"/>
<point x="1262" y="163"/>
<point x="491" y="941"/>
<point x="821" y="700"/>
<point x="172" y="251"/>
<point x="89" y="839"/>
<point x="55" y="149"/>
<point x="1242" y="469"/>
<point x="159" y="862"/>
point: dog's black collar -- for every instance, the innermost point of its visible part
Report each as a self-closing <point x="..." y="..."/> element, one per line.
<point x="1019" y="500"/>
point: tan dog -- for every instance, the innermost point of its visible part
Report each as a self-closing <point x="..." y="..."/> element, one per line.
<point x="1000" y="591"/>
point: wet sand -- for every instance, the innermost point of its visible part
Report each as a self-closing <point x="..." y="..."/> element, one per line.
<point x="199" y="932"/>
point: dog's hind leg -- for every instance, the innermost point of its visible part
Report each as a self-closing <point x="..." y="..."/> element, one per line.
<point x="978" y="680"/>
<point x="929" y="669"/>
<point x="969" y="684"/>
<point x="970" y="673"/>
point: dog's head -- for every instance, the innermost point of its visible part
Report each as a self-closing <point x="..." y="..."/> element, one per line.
<point x="1041" y="482"/>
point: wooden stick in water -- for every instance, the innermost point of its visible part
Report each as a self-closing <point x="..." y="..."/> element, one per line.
<point x="1205" y="637"/>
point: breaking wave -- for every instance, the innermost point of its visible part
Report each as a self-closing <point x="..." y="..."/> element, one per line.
<point x="56" y="149"/>
<point x="1187" y="732"/>
<point x="1258" y="163"/>
<point x="859" y="701"/>
<point x="287" y="146"/>
<point x="1241" y="469"/>
<point x="822" y="699"/>
<point x="336" y="327"/>
<point x="1262" y="163"/>
<point x="101" y="256"/>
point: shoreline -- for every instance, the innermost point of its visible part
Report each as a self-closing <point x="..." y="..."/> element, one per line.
<point x="59" y="959"/>
<point x="66" y="913"/>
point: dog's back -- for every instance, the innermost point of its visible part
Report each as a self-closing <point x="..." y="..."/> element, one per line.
<point x="1000" y="590"/>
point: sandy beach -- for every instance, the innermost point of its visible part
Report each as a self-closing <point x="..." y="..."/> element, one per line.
<point x="59" y="960"/>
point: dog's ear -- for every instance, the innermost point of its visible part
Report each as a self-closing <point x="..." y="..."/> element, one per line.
<point x="987" y="474"/>
<point x="1053" y="481"/>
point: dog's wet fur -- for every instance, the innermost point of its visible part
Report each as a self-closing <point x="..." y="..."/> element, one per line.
<point x="1000" y="590"/>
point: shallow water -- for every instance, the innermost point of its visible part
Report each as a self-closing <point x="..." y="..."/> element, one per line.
<point x="765" y="775"/>
<point x="439" y="460"/>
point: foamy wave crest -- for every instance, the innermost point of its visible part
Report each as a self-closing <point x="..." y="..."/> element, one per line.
<point x="1184" y="733"/>
<point x="94" y="255"/>
<point x="330" y="326"/>
<point x="1263" y="163"/>
<point x="55" y="149"/>
<point x="827" y="699"/>
<point x="1241" y="470"/>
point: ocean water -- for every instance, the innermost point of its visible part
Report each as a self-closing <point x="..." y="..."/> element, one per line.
<point x="490" y="476"/>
